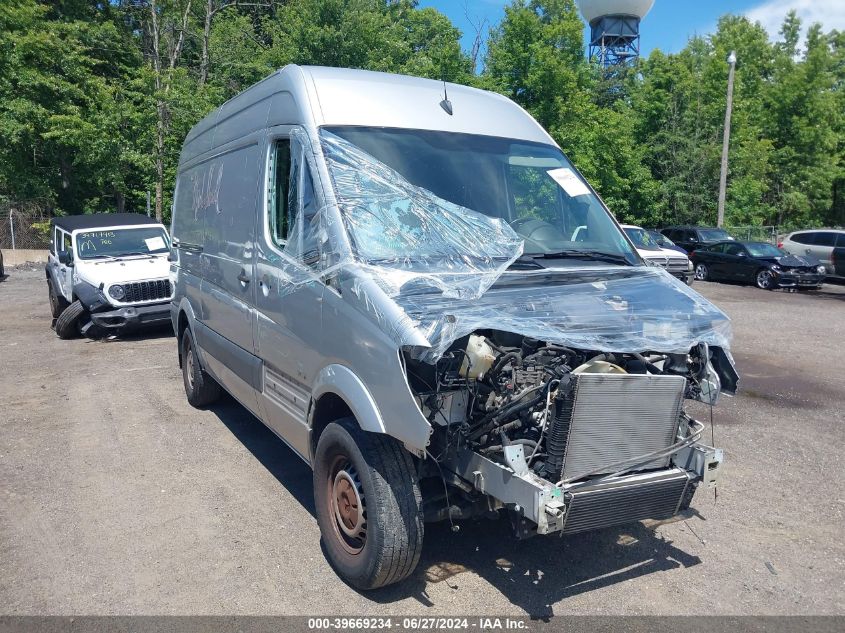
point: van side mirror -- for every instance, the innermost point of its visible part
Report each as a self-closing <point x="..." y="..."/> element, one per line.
<point x="66" y="258"/>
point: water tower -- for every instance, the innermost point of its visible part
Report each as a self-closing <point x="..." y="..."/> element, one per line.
<point x="614" y="29"/>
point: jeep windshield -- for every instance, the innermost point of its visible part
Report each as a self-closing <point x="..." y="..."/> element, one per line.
<point x="121" y="242"/>
<point x="425" y="194"/>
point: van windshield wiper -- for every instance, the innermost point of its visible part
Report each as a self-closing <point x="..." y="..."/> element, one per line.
<point x="526" y="262"/>
<point x="592" y="255"/>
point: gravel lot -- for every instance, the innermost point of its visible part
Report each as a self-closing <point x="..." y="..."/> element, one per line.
<point x="116" y="497"/>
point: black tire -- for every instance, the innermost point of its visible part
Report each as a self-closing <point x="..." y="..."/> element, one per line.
<point x="765" y="280"/>
<point x="384" y="542"/>
<point x="200" y="388"/>
<point x="67" y="325"/>
<point x="57" y="304"/>
<point x="702" y="272"/>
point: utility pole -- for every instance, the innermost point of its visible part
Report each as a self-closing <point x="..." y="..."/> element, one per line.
<point x="723" y="178"/>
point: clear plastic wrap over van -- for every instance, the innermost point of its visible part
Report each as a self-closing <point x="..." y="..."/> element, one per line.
<point x="406" y="235"/>
<point x="619" y="309"/>
<point x="431" y="272"/>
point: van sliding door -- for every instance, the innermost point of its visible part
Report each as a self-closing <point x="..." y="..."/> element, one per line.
<point x="227" y="188"/>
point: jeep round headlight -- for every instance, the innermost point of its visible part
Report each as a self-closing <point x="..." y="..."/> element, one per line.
<point x="821" y="270"/>
<point x="117" y="292"/>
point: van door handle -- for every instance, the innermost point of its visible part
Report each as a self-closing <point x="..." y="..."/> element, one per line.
<point x="243" y="278"/>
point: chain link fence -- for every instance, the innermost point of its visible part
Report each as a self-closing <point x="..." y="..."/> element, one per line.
<point x="755" y="233"/>
<point x="24" y="228"/>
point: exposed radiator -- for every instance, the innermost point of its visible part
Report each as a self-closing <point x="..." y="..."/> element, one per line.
<point x="647" y="496"/>
<point x="611" y="418"/>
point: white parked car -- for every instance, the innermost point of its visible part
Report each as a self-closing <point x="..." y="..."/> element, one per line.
<point x="826" y="245"/>
<point x="675" y="262"/>
<point x="108" y="273"/>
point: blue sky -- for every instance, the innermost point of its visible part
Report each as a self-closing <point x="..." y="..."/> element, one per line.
<point x="671" y="22"/>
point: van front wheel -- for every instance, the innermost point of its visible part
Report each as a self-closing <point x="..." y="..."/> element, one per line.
<point x="369" y="506"/>
<point x="200" y="388"/>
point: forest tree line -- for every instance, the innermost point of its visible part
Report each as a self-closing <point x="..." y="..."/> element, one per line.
<point x="96" y="98"/>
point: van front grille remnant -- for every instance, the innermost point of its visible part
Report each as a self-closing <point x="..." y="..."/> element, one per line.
<point x="656" y="497"/>
<point x="141" y="291"/>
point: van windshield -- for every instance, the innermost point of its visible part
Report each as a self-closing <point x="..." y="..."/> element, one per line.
<point x="531" y="189"/>
<point x="106" y="243"/>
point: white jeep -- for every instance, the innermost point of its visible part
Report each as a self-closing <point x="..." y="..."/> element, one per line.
<point x="108" y="273"/>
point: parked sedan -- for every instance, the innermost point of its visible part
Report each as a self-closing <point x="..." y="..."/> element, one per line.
<point x="760" y="263"/>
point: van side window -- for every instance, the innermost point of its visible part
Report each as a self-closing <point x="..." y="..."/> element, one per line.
<point x="280" y="170"/>
<point x="310" y="242"/>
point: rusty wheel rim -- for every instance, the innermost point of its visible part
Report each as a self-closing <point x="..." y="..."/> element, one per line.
<point x="189" y="365"/>
<point x="347" y="507"/>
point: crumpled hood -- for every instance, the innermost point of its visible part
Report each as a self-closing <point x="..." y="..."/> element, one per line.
<point x="795" y="261"/>
<point x="109" y="272"/>
<point x="606" y="309"/>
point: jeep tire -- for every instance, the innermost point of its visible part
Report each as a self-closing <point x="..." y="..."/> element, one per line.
<point x="57" y="304"/>
<point x="369" y="506"/>
<point x="200" y="388"/>
<point x="67" y="324"/>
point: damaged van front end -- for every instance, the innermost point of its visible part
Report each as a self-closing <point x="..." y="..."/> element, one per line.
<point x="554" y="385"/>
<point x="561" y="397"/>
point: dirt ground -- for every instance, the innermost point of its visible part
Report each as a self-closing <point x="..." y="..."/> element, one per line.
<point x="117" y="497"/>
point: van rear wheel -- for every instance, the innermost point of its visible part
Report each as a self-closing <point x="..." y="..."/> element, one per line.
<point x="200" y="388"/>
<point x="369" y="506"/>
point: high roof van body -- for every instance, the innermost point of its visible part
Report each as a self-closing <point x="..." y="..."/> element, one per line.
<point x="410" y="284"/>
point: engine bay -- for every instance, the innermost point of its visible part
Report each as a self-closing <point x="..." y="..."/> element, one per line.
<point x="576" y="414"/>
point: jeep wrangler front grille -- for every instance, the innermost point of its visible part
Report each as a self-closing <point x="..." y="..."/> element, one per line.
<point x="147" y="291"/>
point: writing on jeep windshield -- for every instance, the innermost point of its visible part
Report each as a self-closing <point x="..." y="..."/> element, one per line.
<point x="121" y="242"/>
<point x="414" y="193"/>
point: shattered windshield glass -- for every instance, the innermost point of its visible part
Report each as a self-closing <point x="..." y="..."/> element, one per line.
<point x="418" y="191"/>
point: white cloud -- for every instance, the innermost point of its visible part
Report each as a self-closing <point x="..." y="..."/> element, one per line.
<point x="830" y="13"/>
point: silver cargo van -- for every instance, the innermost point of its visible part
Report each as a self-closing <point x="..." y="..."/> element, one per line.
<point x="410" y="284"/>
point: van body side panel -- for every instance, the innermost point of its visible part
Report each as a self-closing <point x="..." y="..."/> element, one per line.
<point x="374" y="359"/>
<point x="230" y="189"/>
<point x="188" y="230"/>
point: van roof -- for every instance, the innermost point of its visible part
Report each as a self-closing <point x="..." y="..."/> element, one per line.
<point x="322" y="96"/>
<point x="72" y="223"/>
